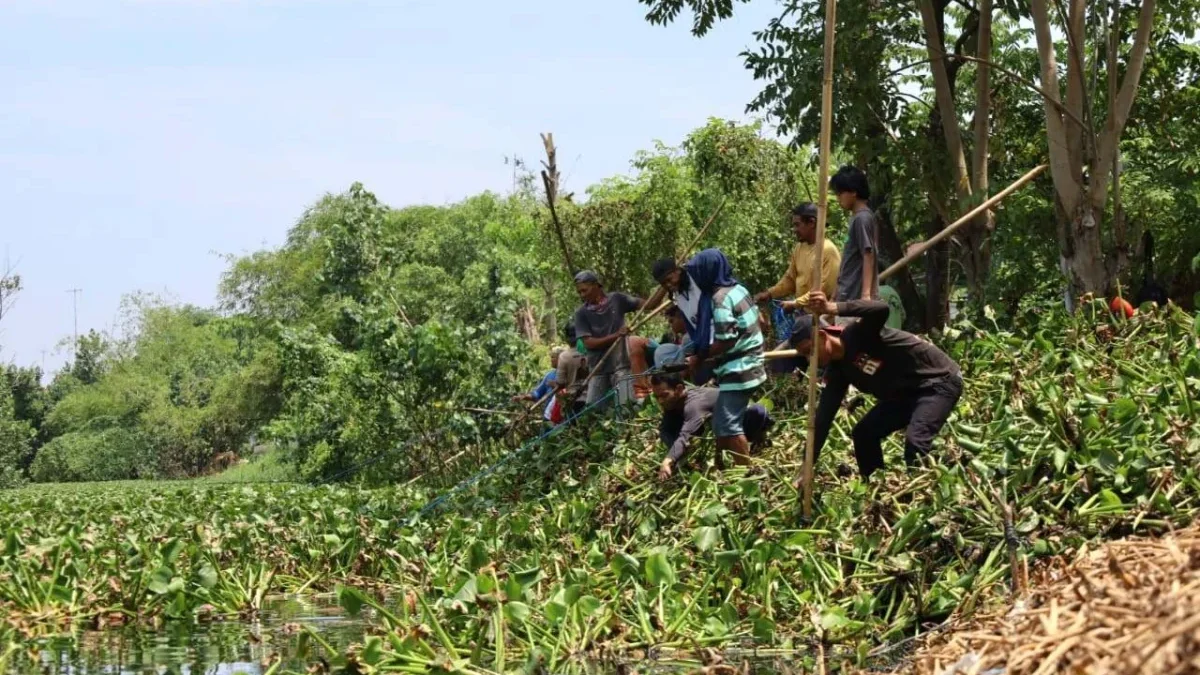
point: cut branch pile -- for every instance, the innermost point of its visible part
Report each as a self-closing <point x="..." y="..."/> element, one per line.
<point x="1130" y="606"/>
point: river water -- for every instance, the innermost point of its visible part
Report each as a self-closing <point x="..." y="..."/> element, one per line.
<point x="215" y="648"/>
<point x="250" y="647"/>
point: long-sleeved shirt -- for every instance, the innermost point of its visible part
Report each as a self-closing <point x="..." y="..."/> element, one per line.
<point x="880" y="361"/>
<point x="679" y="427"/>
<point x="799" y="271"/>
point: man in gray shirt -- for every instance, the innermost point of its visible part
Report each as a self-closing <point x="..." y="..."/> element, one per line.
<point x="686" y="411"/>
<point x="858" y="278"/>
<point x="599" y="323"/>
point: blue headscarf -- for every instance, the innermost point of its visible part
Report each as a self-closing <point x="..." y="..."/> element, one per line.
<point x="710" y="270"/>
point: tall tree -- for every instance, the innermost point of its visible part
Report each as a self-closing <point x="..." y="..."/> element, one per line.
<point x="1083" y="147"/>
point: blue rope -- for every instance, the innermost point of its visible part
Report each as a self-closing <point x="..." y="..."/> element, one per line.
<point x="782" y="321"/>
<point x="549" y="433"/>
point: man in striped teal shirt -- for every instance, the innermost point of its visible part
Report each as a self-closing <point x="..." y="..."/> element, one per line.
<point x="727" y="336"/>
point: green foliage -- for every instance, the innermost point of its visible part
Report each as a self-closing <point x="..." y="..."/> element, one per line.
<point x="15" y="438"/>
<point x="108" y="454"/>
<point x="576" y="544"/>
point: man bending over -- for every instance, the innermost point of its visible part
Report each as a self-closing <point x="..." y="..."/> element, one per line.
<point x="915" y="384"/>
<point x="686" y="411"/>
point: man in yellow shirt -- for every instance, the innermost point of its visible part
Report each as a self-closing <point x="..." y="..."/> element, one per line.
<point x="799" y="271"/>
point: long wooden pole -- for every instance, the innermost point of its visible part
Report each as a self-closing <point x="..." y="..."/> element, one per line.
<point x="968" y="217"/>
<point x="822" y="216"/>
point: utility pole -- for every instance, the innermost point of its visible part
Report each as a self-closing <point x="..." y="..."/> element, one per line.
<point x="75" y="313"/>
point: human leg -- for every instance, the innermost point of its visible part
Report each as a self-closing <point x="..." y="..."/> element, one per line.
<point x="623" y="383"/>
<point x="880" y="422"/>
<point x="728" y="424"/>
<point x="929" y="415"/>
<point x="755" y="423"/>
<point x="598" y="386"/>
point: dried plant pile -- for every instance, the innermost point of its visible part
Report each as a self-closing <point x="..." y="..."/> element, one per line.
<point x="1128" y="606"/>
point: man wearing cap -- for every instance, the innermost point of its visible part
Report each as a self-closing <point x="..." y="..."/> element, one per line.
<point x="600" y="322"/>
<point x="799" y="272"/>
<point x="915" y="384"/>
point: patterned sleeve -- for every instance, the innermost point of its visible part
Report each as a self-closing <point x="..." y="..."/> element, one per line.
<point x="724" y="322"/>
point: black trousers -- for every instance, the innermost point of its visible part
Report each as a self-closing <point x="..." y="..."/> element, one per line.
<point x="921" y="415"/>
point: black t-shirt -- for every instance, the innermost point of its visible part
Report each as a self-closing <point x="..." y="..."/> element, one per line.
<point x="881" y="361"/>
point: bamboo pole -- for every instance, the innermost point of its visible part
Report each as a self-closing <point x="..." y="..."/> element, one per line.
<point x="963" y="220"/>
<point x="822" y="217"/>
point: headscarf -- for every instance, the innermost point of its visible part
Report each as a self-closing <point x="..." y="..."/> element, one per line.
<point x="710" y="270"/>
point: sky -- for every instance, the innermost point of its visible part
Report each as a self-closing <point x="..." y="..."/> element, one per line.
<point x="140" y="140"/>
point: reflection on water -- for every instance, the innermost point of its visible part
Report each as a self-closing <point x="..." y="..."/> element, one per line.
<point x="218" y="648"/>
<point x="251" y="647"/>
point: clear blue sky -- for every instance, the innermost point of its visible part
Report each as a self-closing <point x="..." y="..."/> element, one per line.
<point x="140" y="139"/>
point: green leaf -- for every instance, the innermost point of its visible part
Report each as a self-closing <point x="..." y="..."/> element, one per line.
<point x="206" y="576"/>
<point x="170" y="551"/>
<point x="350" y="599"/>
<point x="706" y="537"/>
<point x="160" y="580"/>
<point x="517" y="612"/>
<point x="588" y="605"/>
<point x="332" y="539"/>
<point x="372" y="651"/>
<point x="659" y="569"/>
<point x="529" y="577"/>
<point x="1124" y="409"/>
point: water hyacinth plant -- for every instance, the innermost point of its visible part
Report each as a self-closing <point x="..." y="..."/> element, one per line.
<point x="1072" y="429"/>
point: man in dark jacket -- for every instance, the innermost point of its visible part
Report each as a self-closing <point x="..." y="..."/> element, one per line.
<point x="915" y="384"/>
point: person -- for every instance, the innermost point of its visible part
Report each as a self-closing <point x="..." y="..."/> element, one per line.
<point x="569" y="378"/>
<point x="676" y="345"/>
<point x="641" y="354"/>
<point x="799" y="272"/>
<point x="895" y="306"/>
<point x="725" y="331"/>
<point x="686" y="411"/>
<point x="600" y="322"/>
<point x="546" y="386"/>
<point x="915" y="384"/>
<point x="858" y="277"/>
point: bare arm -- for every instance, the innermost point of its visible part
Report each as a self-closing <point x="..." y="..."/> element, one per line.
<point x="868" y="274"/>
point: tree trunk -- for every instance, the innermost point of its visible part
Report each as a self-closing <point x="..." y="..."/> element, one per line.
<point x="891" y="248"/>
<point x="977" y="239"/>
<point x="1081" y="206"/>
<point x="551" y="317"/>
<point x="937" y="275"/>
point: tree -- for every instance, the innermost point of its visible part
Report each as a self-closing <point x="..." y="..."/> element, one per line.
<point x="1084" y="156"/>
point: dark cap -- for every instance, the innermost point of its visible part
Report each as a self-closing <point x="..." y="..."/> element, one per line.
<point x="662" y="267"/>
<point x="587" y="277"/>
<point x="806" y="210"/>
<point x="802" y="331"/>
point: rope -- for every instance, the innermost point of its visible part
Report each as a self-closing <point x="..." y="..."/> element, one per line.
<point x="549" y="433"/>
<point x="782" y="321"/>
